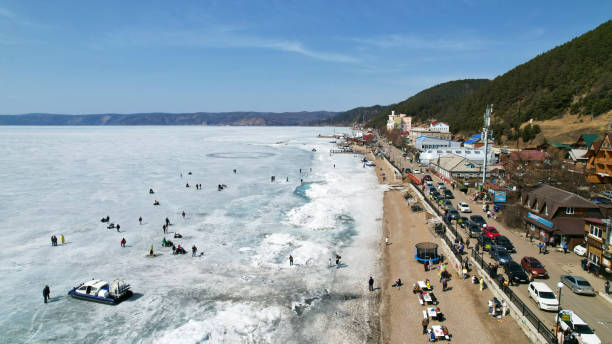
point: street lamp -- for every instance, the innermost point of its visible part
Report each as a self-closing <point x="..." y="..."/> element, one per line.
<point x="560" y="286"/>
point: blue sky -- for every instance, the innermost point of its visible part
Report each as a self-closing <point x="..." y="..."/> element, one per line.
<point x="183" y="56"/>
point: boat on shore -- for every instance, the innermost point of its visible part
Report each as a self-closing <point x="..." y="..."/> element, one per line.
<point x="101" y="291"/>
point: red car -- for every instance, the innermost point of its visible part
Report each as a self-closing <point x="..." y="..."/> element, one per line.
<point x="534" y="267"/>
<point x="427" y="177"/>
<point x="491" y="232"/>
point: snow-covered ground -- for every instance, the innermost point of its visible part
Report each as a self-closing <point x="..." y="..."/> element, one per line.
<point x="62" y="180"/>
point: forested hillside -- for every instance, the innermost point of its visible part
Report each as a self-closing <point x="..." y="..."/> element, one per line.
<point x="575" y="78"/>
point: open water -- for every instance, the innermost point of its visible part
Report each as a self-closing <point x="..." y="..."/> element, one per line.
<point x="62" y="180"/>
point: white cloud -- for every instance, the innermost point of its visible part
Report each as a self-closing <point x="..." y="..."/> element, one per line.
<point x="6" y="13"/>
<point x="214" y="37"/>
<point x="416" y="42"/>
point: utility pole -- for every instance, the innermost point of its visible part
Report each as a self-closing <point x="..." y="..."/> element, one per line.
<point x="485" y="130"/>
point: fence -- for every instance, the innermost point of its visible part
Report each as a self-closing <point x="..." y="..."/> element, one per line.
<point x="540" y="327"/>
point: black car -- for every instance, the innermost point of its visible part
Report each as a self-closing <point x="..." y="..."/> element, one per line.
<point x="515" y="272"/>
<point x="407" y="170"/>
<point x="448" y="194"/>
<point x="474" y="229"/>
<point x="485" y="242"/>
<point x="478" y="219"/>
<point x="506" y="243"/>
<point x="463" y="221"/>
<point x="453" y="214"/>
<point x="437" y="196"/>
<point x="500" y="254"/>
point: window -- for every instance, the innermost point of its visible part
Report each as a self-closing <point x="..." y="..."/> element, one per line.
<point x="594" y="258"/>
<point x="458" y="152"/>
<point x="595" y="231"/>
<point x="569" y="211"/>
<point x="476" y="152"/>
<point x="468" y="152"/>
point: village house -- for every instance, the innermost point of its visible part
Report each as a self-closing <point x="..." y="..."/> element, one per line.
<point x="529" y="157"/>
<point x="599" y="165"/>
<point x="454" y="166"/>
<point x="549" y="211"/>
<point x="598" y="242"/>
<point x="436" y="129"/>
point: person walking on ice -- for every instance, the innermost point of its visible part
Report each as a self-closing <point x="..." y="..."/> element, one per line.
<point x="371" y="284"/>
<point x="62" y="239"/>
<point x="194" y="249"/>
<point x="140" y="220"/>
<point x="290" y="260"/>
<point x="46" y="292"/>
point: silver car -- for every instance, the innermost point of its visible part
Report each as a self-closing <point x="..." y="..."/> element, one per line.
<point x="578" y="284"/>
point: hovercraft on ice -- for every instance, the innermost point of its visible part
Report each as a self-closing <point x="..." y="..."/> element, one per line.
<point x="102" y="291"/>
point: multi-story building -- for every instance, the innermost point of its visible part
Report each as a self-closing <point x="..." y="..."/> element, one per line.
<point x="548" y="211"/>
<point x="599" y="164"/>
<point x="598" y="242"/>
<point x="400" y="122"/>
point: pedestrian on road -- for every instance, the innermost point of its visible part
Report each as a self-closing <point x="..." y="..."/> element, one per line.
<point x="481" y="283"/>
<point x="123" y="241"/>
<point x="467" y="243"/>
<point x="504" y="308"/>
<point x="290" y="260"/>
<point x="371" y="284"/>
<point x="425" y="323"/>
<point x="565" y="248"/>
<point x="46" y="292"/>
<point x="444" y="284"/>
<point x="387" y="241"/>
<point x="140" y="219"/>
<point x="540" y="247"/>
<point x="491" y="306"/>
<point x="607" y="287"/>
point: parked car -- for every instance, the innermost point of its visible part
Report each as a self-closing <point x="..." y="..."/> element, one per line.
<point x="580" y="250"/>
<point x="453" y="214"/>
<point x="464" y="207"/>
<point x="416" y="171"/>
<point x="491" y="232"/>
<point x="578" y="284"/>
<point x="478" y="219"/>
<point x="429" y="183"/>
<point x="447" y="204"/>
<point x="534" y="267"/>
<point x="570" y="320"/>
<point x="427" y="177"/>
<point x="515" y="272"/>
<point x="500" y="254"/>
<point x="474" y="230"/>
<point x="607" y="193"/>
<point x="437" y="196"/>
<point x="543" y="296"/>
<point x="485" y="242"/>
<point x="407" y="170"/>
<point x="448" y="194"/>
<point x="463" y="221"/>
<point x="440" y="186"/>
<point x="506" y="243"/>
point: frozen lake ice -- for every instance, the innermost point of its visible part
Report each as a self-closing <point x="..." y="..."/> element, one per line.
<point x="62" y="180"/>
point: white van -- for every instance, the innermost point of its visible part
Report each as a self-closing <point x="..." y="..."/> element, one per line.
<point x="543" y="296"/>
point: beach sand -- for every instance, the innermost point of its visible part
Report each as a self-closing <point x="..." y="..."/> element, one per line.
<point x="464" y="306"/>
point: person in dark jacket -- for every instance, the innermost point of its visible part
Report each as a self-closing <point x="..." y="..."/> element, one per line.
<point x="371" y="283"/>
<point x="46" y="292"/>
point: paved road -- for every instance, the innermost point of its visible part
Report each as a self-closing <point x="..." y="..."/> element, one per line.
<point x="596" y="311"/>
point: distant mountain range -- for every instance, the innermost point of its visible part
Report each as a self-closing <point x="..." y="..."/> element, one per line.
<point x="198" y="118"/>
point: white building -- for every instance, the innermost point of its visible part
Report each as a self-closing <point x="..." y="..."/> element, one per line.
<point x="475" y="155"/>
<point x="426" y="142"/>
<point x="439" y="126"/>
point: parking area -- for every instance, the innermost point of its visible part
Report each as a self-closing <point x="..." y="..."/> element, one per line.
<point x="595" y="310"/>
